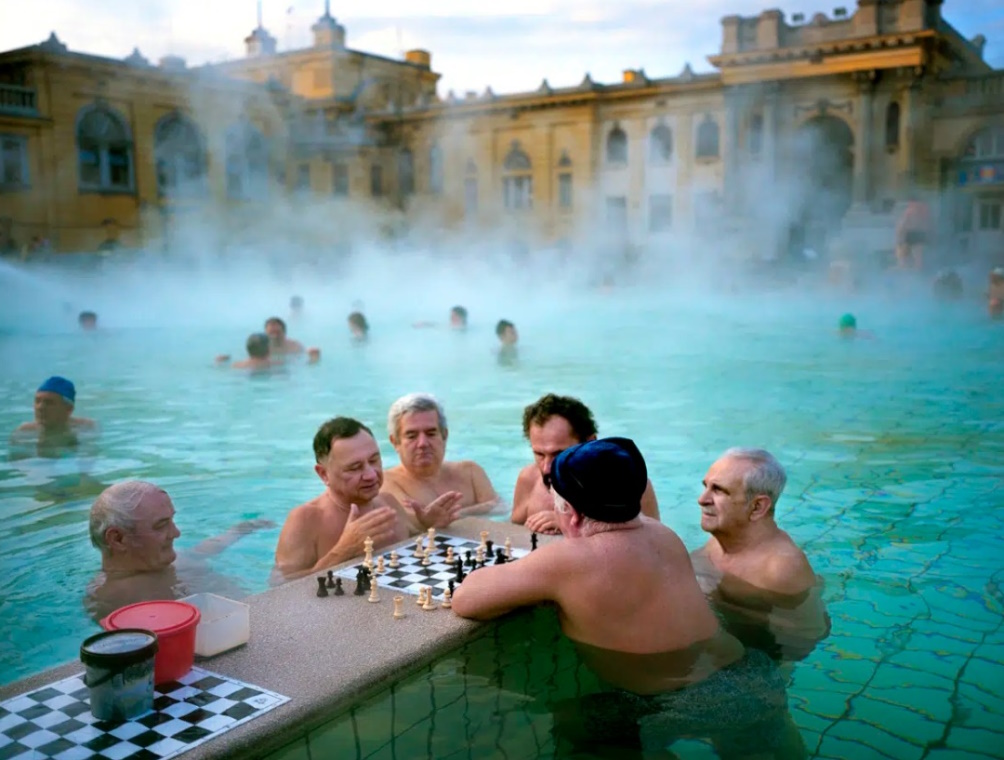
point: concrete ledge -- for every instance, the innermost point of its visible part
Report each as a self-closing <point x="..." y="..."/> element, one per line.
<point x="326" y="654"/>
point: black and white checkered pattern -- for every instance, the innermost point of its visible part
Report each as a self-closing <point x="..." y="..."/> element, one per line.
<point x="411" y="575"/>
<point x="56" y="722"/>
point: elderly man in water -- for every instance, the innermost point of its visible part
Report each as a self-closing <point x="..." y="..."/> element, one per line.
<point x="754" y="574"/>
<point x="132" y="525"/>
<point x="552" y="424"/>
<point x="54" y="424"/>
<point x="332" y="528"/>
<point x="418" y="432"/>
<point x="627" y="597"/>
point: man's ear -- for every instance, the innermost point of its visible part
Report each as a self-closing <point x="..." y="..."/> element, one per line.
<point x="446" y="433"/>
<point x="321" y="473"/>
<point x="393" y="440"/>
<point x="759" y="507"/>
<point x="114" y="538"/>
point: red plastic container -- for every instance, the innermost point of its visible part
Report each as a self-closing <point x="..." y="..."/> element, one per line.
<point x="173" y="622"/>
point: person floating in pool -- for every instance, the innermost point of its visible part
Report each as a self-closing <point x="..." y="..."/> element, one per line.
<point x="331" y="528"/>
<point x="417" y="427"/>
<point x="259" y="355"/>
<point x="505" y="331"/>
<point x="755" y="576"/>
<point x="132" y="525"/>
<point x="279" y="344"/>
<point x="995" y="293"/>
<point x="552" y="424"/>
<point x="358" y="326"/>
<point x="87" y="320"/>
<point x="627" y="598"/>
<point x="54" y="427"/>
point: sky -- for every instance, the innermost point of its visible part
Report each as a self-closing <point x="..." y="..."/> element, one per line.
<point x="510" y="46"/>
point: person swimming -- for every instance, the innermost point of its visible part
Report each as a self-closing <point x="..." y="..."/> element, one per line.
<point x="54" y="427"/>
<point x="87" y="320"/>
<point x="258" y="347"/>
<point x="358" y="326"/>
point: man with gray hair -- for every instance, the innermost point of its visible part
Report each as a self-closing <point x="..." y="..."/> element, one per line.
<point x="132" y="525"/>
<point x="752" y="571"/>
<point x="418" y="432"/>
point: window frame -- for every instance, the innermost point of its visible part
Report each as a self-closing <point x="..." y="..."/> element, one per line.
<point x="22" y="142"/>
<point x="104" y="151"/>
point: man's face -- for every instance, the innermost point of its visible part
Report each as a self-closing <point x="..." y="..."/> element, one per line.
<point x="420" y="443"/>
<point x="353" y="470"/>
<point x="724" y="506"/>
<point x="457" y="321"/>
<point x="52" y="410"/>
<point x="549" y="440"/>
<point x="150" y="544"/>
<point x="276" y="335"/>
<point x="509" y="336"/>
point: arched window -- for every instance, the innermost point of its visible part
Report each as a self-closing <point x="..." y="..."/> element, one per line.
<point x="406" y="173"/>
<point x="517" y="180"/>
<point x="617" y="146"/>
<point x="565" y="181"/>
<point x="246" y="162"/>
<point x="707" y="138"/>
<point x="988" y="143"/>
<point x="104" y="150"/>
<point x="179" y="155"/>
<point x="660" y="145"/>
<point x="892" y="126"/>
<point x="435" y="170"/>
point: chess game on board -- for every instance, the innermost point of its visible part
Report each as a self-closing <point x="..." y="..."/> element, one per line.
<point x="55" y="721"/>
<point x="411" y="574"/>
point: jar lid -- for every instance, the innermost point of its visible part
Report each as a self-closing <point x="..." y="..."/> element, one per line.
<point x="162" y="617"/>
<point x="119" y="648"/>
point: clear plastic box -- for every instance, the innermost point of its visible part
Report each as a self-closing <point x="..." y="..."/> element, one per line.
<point x="225" y="624"/>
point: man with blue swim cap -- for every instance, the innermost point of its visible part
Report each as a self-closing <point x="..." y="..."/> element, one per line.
<point x="628" y="599"/>
<point x="54" y="421"/>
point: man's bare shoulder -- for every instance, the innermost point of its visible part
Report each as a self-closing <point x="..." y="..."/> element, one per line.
<point x="307" y="513"/>
<point x="528" y="474"/>
<point x="461" y="468"/>
<point x="785" y="568"/>
<point x="25" y="427"/>
<point x="83" y="423"/>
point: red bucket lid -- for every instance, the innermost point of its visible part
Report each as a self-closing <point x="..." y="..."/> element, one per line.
<point x="162" y="617"/>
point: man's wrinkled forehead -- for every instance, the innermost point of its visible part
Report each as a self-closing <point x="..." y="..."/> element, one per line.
<point x="349" y="451"/>
<point x="414" y="422"/>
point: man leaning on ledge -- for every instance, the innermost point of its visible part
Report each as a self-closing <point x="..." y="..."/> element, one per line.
<point x="331" y="528"/>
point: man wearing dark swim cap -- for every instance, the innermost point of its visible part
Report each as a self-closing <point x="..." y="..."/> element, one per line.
<point x="54" y="421"/>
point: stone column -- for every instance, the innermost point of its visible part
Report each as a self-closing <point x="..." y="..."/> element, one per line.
<point x="733" y="194"/>
<point x="910" y="100"/>
<point x="863" y="141"/>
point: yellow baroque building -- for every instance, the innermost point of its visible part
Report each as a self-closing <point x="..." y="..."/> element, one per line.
<point x="811" y="132"/>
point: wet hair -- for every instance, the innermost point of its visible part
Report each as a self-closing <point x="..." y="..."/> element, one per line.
<point x="276" y="321"/>
<point x="568" y="408"/>
<point x="414" y="402"/>
<point x="296" y="302"/>
<point x="335" y="429"/>
<point x="116" y="507"/>
<point x="502" y="325"/>
<point x="358" y="319"/>
<point x="461" y="312"/>
<point x="87" y="316"/>
<point x="766" y="476"/>
<point x="257" y="345"/>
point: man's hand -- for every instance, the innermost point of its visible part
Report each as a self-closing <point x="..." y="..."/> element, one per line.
<point x="440" y="512"/>
<point x="543" y="522"/>
<point x="379" y="525"/>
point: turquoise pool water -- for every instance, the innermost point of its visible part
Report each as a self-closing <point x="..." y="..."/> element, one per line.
<point x="894" y="449"/>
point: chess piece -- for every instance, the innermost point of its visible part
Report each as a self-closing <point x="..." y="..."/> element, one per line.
<point x="484" y="539"/>
<point x="374" y="597"/>
<point x="450" y="559"/>
<point x="331" y="580"/>
<point x="419" y="549"/>
<point x="368" y="547"/>
<point x="429" y="604"/>
<point x="480" y="557"/>
<point x="380" y="568"/>
<point x="360" y="583"/>
<point x="339" y="591"/>
<point x="393" y="560"/>
<point x="533" y="542"/>
<point x="367" y="578"/>
<point x="398" y="607"/>
<point x="321" y="590"/>
<point x="421" y="595"/>
<point x="447" y="597"/>
<point x="425" y="558"/>
<point x="508" y="548"/>
<point x="431" y="532"/>
<point x="489" y="550"/>
<point x="499" y="557"/>
<point x="469" y="562"/>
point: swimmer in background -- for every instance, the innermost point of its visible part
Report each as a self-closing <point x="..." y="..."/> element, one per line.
<point x="458" y="320"/>
<point x="995" y="293"/>
<point x="508" y="338"/>
<point x="88" y="320"/>
<point x="847" y="327"/>
<point x="296" y="307"/>
<point x="259" y="356"/>
<point x="54" y="426"/>
<point x="358" y="326"/>
<point x="279" y="344"/>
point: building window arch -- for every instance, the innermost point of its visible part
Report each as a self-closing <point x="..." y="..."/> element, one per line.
<point x="180" y="157"/>
<point x="104" y="150"/>
<point x="708" y="138"/>
<point x="660" y="145"/>
<point x="892" y="119"/>
<point x="617" y="146"/>
<point x="517" y="179"/>
<point x="435" y="170"/>
<point x="246" y="162"/>
<point x="988" y="143"/>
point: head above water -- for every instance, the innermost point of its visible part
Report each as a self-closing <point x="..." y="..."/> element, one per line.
<point x="847" y="322"/>
<point x="997" y="275"/>
<point x="296" y="304"/>
<point x="275" y="329"/>
<point x="506" y="332"/>
<point x="417" y="427"/>
<point x="61" y="387"/>
<point x="554" y="423"/>
<point x="88" y="320"/>
<point x="603" y="480"/>
<point x="53" y="406"/>
<point x="458" y="317"/>
<point x="412" y="403"/>
<point x="132" y="525"/>
<point x="740" y="492"/>
<point x="348" y="461"/>
<point x="257" y="346"/>
<point x="336" y="429"/>
<point x="358" y="324"/>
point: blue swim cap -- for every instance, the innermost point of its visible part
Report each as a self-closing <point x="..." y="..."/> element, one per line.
<point x="602" y="479"/>
<point x="848" y="322"/>
<point x="61" y="386"/>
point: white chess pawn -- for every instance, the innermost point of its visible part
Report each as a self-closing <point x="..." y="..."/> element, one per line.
<point x="508" y="548"/>
<point x="421" y="595"/>
<point x="425" y="558"/>
<point x="419" y="550"/>
<point x="373" y="592"/>
<point x="393" y="560"/>
<point x="431" y="532"/>
<point x="429" y="604"/>
<point x="450" y="559"/>
<point x="380" y="568"/>
<point x="398" y="607"/>
<point x="484" y="540"/>
<point x="447" y="599"/>
<point x="480" y="556"/>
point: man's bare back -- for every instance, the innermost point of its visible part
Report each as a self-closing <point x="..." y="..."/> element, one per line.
<point x="465" y="477"/>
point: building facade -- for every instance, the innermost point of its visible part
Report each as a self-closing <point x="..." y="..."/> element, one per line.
<point x="809" y="131"/>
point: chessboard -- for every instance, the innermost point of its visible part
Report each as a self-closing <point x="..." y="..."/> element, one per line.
<point x="56" y="722"/>
<point x="411" y="574"/>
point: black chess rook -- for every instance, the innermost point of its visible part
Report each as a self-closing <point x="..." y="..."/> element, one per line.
<point x="321" y="589"/>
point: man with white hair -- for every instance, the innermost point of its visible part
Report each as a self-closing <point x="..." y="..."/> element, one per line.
<point x="752" y="571"/>
<point x="132" y="525"/>
<point x="418" y="432"/>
